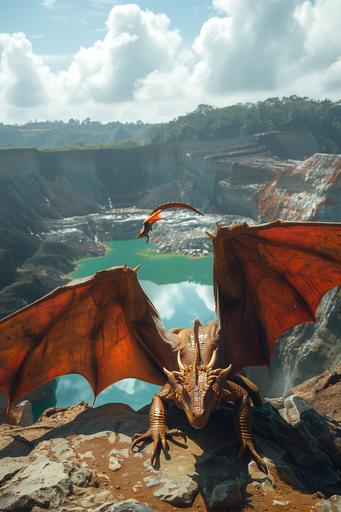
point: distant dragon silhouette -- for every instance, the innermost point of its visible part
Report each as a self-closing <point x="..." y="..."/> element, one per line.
<point x="154" y="216"/>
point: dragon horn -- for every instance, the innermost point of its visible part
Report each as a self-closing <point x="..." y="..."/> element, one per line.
<point x="170" y="375"/>
<point x="212" y="360"/>
<point x="137" y="268"/>
<point x="181" y="366"/>
<point x="125" y="268"/>
<point x="211" y="235"/>
<point x="196" y="347"/>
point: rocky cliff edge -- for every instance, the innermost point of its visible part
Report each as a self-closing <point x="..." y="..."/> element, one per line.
<point x="80" y="459"/>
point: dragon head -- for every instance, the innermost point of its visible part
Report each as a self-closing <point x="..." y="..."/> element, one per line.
<point x="197" y="387"/>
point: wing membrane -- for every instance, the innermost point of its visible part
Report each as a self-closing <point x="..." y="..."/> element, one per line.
<point x="103" y="327"/>
<point x="270" y="278"/>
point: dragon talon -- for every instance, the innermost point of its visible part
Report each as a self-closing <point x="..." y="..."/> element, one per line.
<point x="156" y="440"/>
<point x="177" y="433"/>
<point x="254" y="455"/>
<point x="164" y="443"/>
<point x="139" y="438"/>
<point x="258" y="460"/>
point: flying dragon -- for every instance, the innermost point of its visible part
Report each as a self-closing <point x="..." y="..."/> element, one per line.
<point x="154" y="216"/>
<point x="267" y="278"/>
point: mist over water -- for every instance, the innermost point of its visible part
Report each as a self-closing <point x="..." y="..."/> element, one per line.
<point x="179" y="286"/>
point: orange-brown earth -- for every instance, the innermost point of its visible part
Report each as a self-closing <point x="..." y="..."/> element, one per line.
<point x="90" y="450"/>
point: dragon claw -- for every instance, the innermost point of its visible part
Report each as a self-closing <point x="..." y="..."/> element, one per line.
<point x="255" y="456"/>
<point x="158" y="437"/>
<point x="177" y="433"/>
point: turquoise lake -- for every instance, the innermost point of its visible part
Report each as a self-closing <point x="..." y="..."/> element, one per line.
<point x="179" y="286"/>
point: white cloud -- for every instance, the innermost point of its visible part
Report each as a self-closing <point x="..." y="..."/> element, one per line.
<point x="136" y="44"/>
<point x="71" y="389"/>
<point x="332" y="78"/>
<point x="23" y="76"/>
<point x="320" y="22"/>
<point x="205" y="293"/>
<point x="127" y="385"/>
<point x="254" y="47"/>
<point x="50" y="4"/>
<point x="141" y="69"/>
<point x="192" y="300"/>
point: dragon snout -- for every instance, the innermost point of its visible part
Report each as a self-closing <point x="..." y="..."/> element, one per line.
<point x="198" y="419"/>
<point x="197" y="413"/>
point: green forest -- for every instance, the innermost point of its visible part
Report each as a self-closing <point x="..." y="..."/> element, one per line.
<point x="321" y="117"/>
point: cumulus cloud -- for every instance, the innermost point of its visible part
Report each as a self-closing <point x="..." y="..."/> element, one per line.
<point x="192" y="301"/>
<point x="72" y="389"/>
<point x="271" y="46"/>
<point x="23" y="76"/>
<point x="137" y="43"/>
<point x="205" y="293"/>
<point x="253" y="47"/>
<point x="320" y="22"/>
<point x="244" y="51"/>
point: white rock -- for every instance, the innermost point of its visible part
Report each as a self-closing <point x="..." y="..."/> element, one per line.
<point x="61" y="448"/>
<point x="105" y="434"/>
<point x="323" y="506"/>
<point x="294" y="406"/>
<point x="114" y="464"/>
<point x="226" y="495"/>
<point x="24" y="413"/>
<point x="124" y="452"/>
<point x="86" y="455"/>
<point x="9" y="466"/>
<point x="283" y="504"/>
<point x="267" y="487"/>
<point x="336" y="501"/>
<point x="151" y="481"/>
<point x="42" y="481"/>
<point x="127" y="506"/>
<point x="178" y="494"/>
<point x="256" y="474"/>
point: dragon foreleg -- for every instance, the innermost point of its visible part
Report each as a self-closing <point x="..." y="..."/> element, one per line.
<point x="235" y="393"/>
<point x="158" y="428"/>
<point x="250" y="387"/>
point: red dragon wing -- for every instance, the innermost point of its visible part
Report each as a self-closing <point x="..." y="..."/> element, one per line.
<point x="269" y="278"/>
<point x="103" y="327"/>
<point x="154" y="215"/>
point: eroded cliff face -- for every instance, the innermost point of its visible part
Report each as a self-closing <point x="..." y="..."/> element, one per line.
<point x="309" y="190"/>
<point x="66" y="183"/>
<point x="38" y="187"/>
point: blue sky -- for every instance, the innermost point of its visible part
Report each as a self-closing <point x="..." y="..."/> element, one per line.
<point x="72" y="23"/>
<point x="157" y="59"/>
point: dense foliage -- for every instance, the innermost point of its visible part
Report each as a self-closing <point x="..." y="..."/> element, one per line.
<point x="74" y="134"/>
<point x="323" y="118"/>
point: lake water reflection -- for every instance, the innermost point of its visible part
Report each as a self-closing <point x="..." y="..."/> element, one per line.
<point x="179" y="286"/>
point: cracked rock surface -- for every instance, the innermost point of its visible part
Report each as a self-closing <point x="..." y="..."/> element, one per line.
<point x="80" y="459"/>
